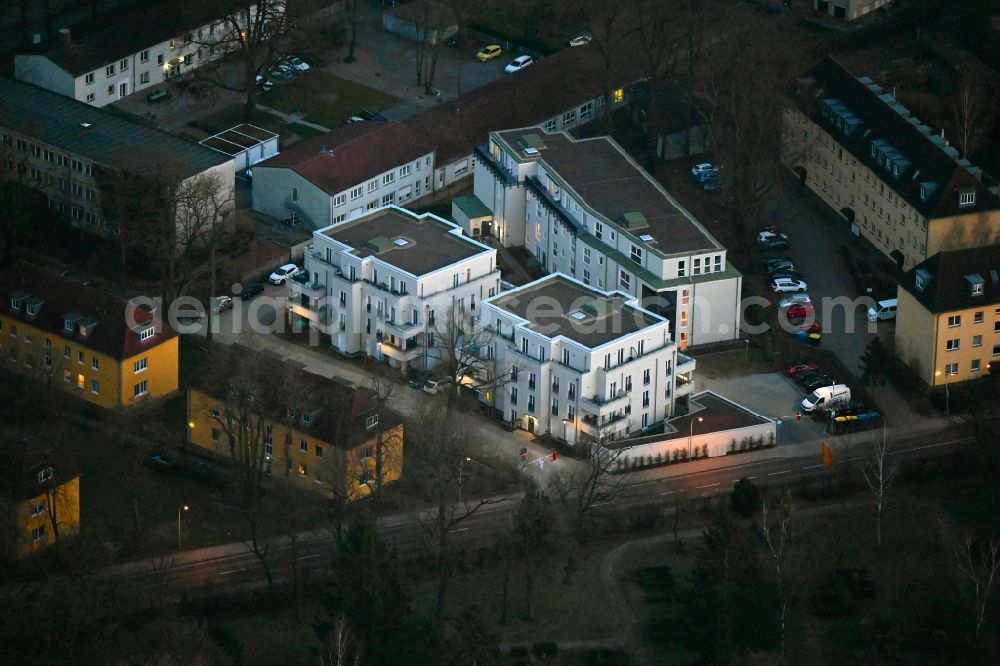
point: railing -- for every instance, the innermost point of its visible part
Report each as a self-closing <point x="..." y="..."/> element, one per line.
<point x="601" y="401"/>
<point x="552" y="204"/>
<point x="492" y="273"/>
<point x="494" y="167"/>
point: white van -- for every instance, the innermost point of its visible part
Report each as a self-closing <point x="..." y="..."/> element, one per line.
<point x="826" y="397"/>
<point x="883" y="310"/>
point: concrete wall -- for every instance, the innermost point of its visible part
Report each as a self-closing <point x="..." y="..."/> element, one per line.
<point x="43" y="72"/>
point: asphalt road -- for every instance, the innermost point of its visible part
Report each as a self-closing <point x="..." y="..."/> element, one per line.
<point x="232" y="566"/>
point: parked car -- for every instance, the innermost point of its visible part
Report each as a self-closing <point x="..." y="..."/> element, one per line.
<point x="826" y="397"/>
<point x="785" y="285"/>
<point x="297" y="63"/>
<point x="769" y="241"/>
<point x="221" y="304"/>
<point x="794" y="298"/>
<point x="157" y="96"/>
<point x="711" y="184"/>
<point x="814" y="328"/>
<point x="372" y="115"/>
<point x="581" y="40"/>
<point x="281" y="73"/>
<point x="778" y="266"/>
<point x="488" y="53"/>
<point x="159" y="463"/>
<point x="433" y="386"/>
<point x="767" y="261"/>
<point x="250" y="290"/>
<point x="355" y="119"/>
<point x="819" y="382"/>
<point x="454" y="40"/>
<point x="417" y="381"/>
<point x="263" y="83"/>
<point x="518" y="63"/>
<point x="800" y="311"/>
<point x="792" y="275"/>
<point x="798" y="367"/>
<point x="282" y="273"/>
<point x="883" y="310"/>
<point x="704" y="170"/>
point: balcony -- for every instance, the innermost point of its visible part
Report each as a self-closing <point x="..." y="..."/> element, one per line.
<point x="685" y="384"/>
<point x="550" y="203"/>
<point x="494" y="167"/>
<point x="406" y="351"/>
<point x="404" y="329"/>
<point x="611" y="426"/>
<point x="300" y="284"/>
<point x="601" y="402"/>
<point x="685" y="364"/>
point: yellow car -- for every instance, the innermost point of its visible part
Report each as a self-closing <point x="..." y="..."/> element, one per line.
<point x="487" y="53"/>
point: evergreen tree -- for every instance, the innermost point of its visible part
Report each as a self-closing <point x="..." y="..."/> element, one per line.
<point x="875" y="363"/>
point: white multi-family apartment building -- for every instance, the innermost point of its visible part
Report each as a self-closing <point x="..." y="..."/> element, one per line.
<point x="580" y="363"/>
<point x="390" y="283"/>
<point x="345" y="173"/>
<point x="583" y="207"/>
<point x="63" y="148"/>
<point x="128" y="51"/>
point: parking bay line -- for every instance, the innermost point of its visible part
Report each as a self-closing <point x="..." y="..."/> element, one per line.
<point x="814" y="466"/>
<point x="223" y="573"/>
<point x="784" y="471"/>
<point x="708" y="485"/>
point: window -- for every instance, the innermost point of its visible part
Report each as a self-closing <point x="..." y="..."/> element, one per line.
<point x="531" y="403"/>
<point x="598" y="230"/>
<point x="319" y="451"/>
<point x="141" y="365"/>
<point x="388" y="199"/>
<point x="977" y="318"/>
<point x="586" y="276"/>
<point x="951" y="369"/>
<point x="967" y="198"/>
<point x="80" y="357"/>
<point x="954" y="320"/>
<point x="295" y="194"/>
<point x="618" y="96"/>
<point x="140" y="389"/>
<point x="37" y="509"/>
<point x="645" y="377"/>
<point x="147" y="333"/>
<point x="95" y="364"/>
<point x="372" y="185"/>
<point x="645" y="398"/>
<point x="90" y="97"/>
<point x="89" y="79"/>
<point x="555" y="407"/>
<point x="371" y="421"/>
<point x="636" y="255"/>
<point x="681" y="269"/>
<point x="696" y="267"/>
<point x="513" y="395"/>
<point x="976" y="365"/>
<point x="302" y="470"/>
<point x="977" y="341"/>
<point x="357" y="192"/>
<point x="216" y="434"/>
<point x="951" y="345"/>
<point x="123" y="65"/>
<point x="45" y="474"/>
<point x="111" y="90"/>
<point x="996" y="350"/>
<point x="303" y="446"/>
<point x="95" y="387"/>
<point x="389" y="177"/>
<point x="159" y="59"/>
<point x="565" y="360"/>
<point x="38" y="533"/>
<point x="624" y="280"/>
<point x="339" y="200"/>
<point x="144" y="56"/>
<point x="405" y="171"/>
<point x="144" y="77"/>
<point x="66" y="351"/>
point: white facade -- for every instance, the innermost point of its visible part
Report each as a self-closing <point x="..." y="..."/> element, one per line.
<point x="573" y="387"/>
<point x="534" y="206"/>
<point x="282" y="192"/>
<point x="371" y="300"/>
<point x="130" y="73"/>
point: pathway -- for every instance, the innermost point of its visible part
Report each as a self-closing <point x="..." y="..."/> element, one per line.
<point x="297" y="118"/>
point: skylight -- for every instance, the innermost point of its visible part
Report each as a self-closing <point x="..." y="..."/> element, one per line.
<point x="579" y="316"/>
<point x="646" y="238"/>
<point x="400" y="242"/>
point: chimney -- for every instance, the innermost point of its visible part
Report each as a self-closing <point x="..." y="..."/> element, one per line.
<point x="66" y="37"/>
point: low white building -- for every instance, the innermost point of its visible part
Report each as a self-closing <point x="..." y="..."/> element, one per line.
<point x="583" y="207"/>
<point x="577" y="362"/>
<point x="133" y="49"/>
<point x="344" y="173"/>
<point x="386" y="283"/>
<point x="246" y="144"/>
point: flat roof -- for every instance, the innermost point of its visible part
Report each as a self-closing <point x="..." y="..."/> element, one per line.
<point x="609" y="182"/>
<point x="472" y="206"/>
<point x="430" y="242"/>
<point x="561" y="306"/>
<point x="102" y="135"/>
<point x="236" y="140"/>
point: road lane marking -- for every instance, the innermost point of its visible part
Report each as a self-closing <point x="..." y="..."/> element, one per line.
<point x="784" y="471"/>
<point x="223" y="573"/>
<point x="671" y="492"/>
<point x="708" y="485"/>
<point x="460" y="529"/>
<point x="814" y="466"/>
<point x="750" y="478"/>
<point x="308" y="557"/>
<point x="601" y="504"/>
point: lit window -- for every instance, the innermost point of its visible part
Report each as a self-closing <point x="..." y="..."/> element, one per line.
<point x="618" y="96"/>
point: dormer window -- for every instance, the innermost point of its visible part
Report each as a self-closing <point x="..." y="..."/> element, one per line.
<point x="975" y="283"/>
<point x="147" y="333"/>
<point x="307" y="420"/>
<point x="922" y="279"/>
<point x="17" y="301"/>
<point x="371" y="421"/>
<point x="45" y="474"/>
<point x="967" y="197"/>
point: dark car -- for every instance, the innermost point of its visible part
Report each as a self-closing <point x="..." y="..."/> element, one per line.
<point x="454" y="40"/>
<point x="778" y="266"/>
<point x="372" y="115"/>
<point x="807" y="376"/>
<point x="770" y="261"/>
<point x="159" y="462"/>
<point x="773" y="243"/>
<point x="157" y="96"/>
<point x="417" y="382"/>
<point x="251" y="290"/>
<point x="787" y="273"/>
<point x="816" y="382"/>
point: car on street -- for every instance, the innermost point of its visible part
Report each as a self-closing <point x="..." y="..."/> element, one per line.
<point x="773" y="243"/>
<point x="454" y="40"/>
<point x="785" y="285"/>
<point x="767" y="261"/>
<point x="814" y="328"/>
<point x="799" y="311"/>
<point x="792" y="275"/>
<point x="794" y="298"/>
<point x="778" y="266"/>
<point x="221" y="304"/>
<point x="705" y="170"/>
<point x="297" y="63"/>
<point x="250" y="290"/>
<point x="798" y="367"/>
<point x="488" y="53"/>
<point x="818" y="381"/>
<point x="518" y="63"/>
<point x="581" y="40"/>
<point x="282" y="273"/>
<point x="433" y="386"/>
<point x="372" y="115"/>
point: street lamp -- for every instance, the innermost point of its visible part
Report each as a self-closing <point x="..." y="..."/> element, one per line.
<point x="947" y="393"/>
<point x="460" y="463"/>
<point x="180" y="511"/>
<point x="691" y="434"/>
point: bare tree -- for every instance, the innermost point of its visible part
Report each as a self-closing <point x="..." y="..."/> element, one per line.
<point x="777" y="536"/>
<point x="592" y="483"/>
<point x="343" y="648"/>
<point x="978" y="563"/>
<point x="387" y="450"/>
<point x="969" y="115"/>
<point x="434" y="18"/>
<point x="879" y="470"/>
<point x="533" y="541"/>
<point x="611" y="27"/>
<point x="351" y="14"/>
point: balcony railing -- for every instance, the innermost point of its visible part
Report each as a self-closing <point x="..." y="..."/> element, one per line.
<point x="601" y="401"/>
<point x="494" y="167"/>
<point x="554" y="206"/>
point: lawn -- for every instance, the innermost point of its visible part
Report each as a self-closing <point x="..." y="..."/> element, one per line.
<point x="325" y="99"/>
<point x="230" y="116"/>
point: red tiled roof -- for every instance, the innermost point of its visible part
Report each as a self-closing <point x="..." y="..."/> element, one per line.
<point x="555" y="84"/>
<point x="352" y="154"/>
<point x="62" y="296"/>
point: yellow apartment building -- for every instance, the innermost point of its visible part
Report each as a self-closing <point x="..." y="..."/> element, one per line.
<point x="316" y="432"/>
<point x="42" y="490"/>
<point x="948" y="316"/>
<point x="60" y="330"/>
<point x="896" y="182"/>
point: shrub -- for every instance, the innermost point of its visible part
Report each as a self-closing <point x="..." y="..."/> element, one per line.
<point x="745" y="499"/>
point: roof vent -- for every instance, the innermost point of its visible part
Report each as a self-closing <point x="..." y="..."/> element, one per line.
<point x="33" y="306"/>
<point x="70" y="322"/>
<point x="379" y="244"/>
<point x="635" y="220"/>
<point x="532" y="140"/>
<point x="927" y="188"/>
<point x="966" y="197"/>
<point x="975" y="283"/>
